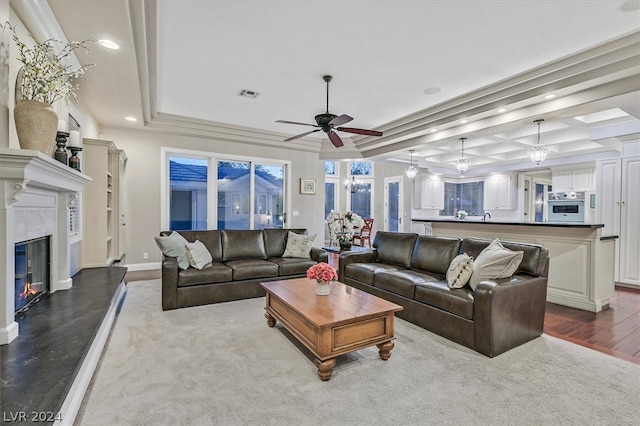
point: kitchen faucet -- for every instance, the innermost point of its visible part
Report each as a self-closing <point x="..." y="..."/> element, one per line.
<point x="484" y="218"/>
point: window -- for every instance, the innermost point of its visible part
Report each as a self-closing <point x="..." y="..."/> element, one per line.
<point x="330" y="168"/>
<point x="201" y="191"/>
<point x="188" y="193"/>
<point x="467" y="196"/>
<point x="360" y="188"/>
<point x="361" y="168"/>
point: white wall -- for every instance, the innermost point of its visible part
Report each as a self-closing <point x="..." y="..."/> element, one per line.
<point x="142" y="184"/>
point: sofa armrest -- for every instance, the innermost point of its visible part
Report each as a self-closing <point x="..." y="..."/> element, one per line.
<point x="169" y="283"/>
<point x="508" y="312"/>
<point x="354" y="257"/>
<point x="319" y="255"/>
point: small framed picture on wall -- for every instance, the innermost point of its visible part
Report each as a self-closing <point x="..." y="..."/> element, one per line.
<point x="308" y="186"/>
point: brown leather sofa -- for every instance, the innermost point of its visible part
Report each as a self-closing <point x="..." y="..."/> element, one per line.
<point x="410" y="270"/>
<point x="242" y="259"/>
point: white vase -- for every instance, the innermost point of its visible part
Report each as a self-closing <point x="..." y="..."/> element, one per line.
<point x="322" y="288"/>
<point x="36" y="125"/>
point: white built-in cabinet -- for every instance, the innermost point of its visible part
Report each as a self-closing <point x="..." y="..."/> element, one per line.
<point x="572" y="180"/>
<point x="432" y="193"/>
<point x="618" y="208"/>
<point x="103" y="210"/>
<point x="499" y="192"/>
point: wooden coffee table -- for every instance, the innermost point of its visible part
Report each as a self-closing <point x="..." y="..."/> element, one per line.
<point x="344" y="321"/>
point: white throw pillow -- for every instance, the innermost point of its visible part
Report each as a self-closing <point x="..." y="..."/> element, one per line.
<point x="299" y="245"/>
<point x="174" y="246"/>
<point x="198" y="255"/>
<point x="493" y="262"/>
<point x="460" y="271"/>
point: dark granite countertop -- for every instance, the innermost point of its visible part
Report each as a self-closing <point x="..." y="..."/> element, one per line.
<point x="513" y="223"/>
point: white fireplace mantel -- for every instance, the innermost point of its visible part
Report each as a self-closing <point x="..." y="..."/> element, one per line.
<point x="35" y="192"/>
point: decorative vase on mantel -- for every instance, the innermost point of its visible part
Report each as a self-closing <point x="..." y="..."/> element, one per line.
<point x="322" y="288"/>
<point x="36" y="125"/>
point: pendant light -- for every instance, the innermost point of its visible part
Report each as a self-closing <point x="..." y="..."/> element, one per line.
<point x="538" y="152"/>
<point x="462" y="164"/>
<point x="412" y="171"/>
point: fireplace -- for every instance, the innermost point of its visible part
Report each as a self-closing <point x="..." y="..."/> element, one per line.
<point x="31" y="273"/>
<point x="36" y="193"/>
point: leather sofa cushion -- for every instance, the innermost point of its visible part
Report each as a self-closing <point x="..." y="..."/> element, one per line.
<point x="275" y="240"/>
<point x="243" y="244"/>
<point x="458" y="301"/>
<point x="252" y="268"/>
<point x="292" y="265"/>
<point x="400" y="282"/>
<point x="214" y="273"/>
<point x="212" y="240"/>
<point x="364" y="272"/>
<point x="394" y="248"/>
<point x="434" y="254"/>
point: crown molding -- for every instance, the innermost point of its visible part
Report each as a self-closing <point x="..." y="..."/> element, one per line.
<point x="41" y="22"/>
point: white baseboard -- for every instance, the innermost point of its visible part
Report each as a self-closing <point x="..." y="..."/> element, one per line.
<point x="143" y="266"/>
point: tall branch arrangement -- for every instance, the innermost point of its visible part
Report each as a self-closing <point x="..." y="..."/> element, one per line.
<point x="44" y="76"/>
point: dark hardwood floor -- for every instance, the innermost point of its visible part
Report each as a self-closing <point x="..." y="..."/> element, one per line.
<point x="614" y="331"/>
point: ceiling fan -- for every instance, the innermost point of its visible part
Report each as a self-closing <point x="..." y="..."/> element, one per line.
<point x="329" y="123"/>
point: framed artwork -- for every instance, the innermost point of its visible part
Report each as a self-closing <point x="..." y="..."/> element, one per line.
<point x="308" y="186"/>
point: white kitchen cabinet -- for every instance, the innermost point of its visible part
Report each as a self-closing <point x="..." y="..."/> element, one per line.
<point x="432" y="193"/>
<point x="572" y="180"/>
<point x="499" y="192"/>
<point x="618" y="208"/>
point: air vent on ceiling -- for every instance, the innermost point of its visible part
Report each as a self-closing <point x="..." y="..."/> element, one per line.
<point x="249" y="93"/>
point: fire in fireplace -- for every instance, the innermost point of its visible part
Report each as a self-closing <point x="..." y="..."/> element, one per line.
<point x="31" y="273"/>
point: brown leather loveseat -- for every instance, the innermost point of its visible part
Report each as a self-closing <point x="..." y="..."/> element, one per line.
<point x="242" y="259"/>
<point x="410" y="270"/>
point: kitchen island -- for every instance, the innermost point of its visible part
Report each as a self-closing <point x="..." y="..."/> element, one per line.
<point x="581" y="260"/>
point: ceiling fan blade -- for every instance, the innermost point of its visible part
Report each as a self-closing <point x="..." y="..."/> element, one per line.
<point x="359" y="131"/>
<point x="295" y="122"/>
<point x="335" y="139"/>
<point x="301" y="135"/>
<point x="342" y="119"/>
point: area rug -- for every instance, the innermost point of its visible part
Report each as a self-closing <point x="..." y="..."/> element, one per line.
<point x="222" y="365"/>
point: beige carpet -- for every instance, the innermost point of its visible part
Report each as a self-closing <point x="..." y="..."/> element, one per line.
<point x="222" y="365"/>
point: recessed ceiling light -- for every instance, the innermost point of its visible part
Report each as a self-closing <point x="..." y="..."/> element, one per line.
<point x="130" y="118"/>
<point x="550" y="96"/>
<point x="109" y="44"/>
<point x="463" y="121"/>
<point x="432" y="90"/>
<point x="501" y="110"/>
<point x="434" y="130"/>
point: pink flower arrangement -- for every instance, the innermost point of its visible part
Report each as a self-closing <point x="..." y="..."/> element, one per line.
<point x="322" y="272"/>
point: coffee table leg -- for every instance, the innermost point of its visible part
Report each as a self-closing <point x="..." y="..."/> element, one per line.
<point x="385" y="349"/>
<point x="271" y="321"/>
<point x="325" y="368"/>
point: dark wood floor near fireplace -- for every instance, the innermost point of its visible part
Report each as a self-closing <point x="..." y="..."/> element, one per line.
<point x="38" y="367"/>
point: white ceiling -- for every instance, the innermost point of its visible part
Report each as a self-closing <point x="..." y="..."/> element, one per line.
<point x="190" y="64"/>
